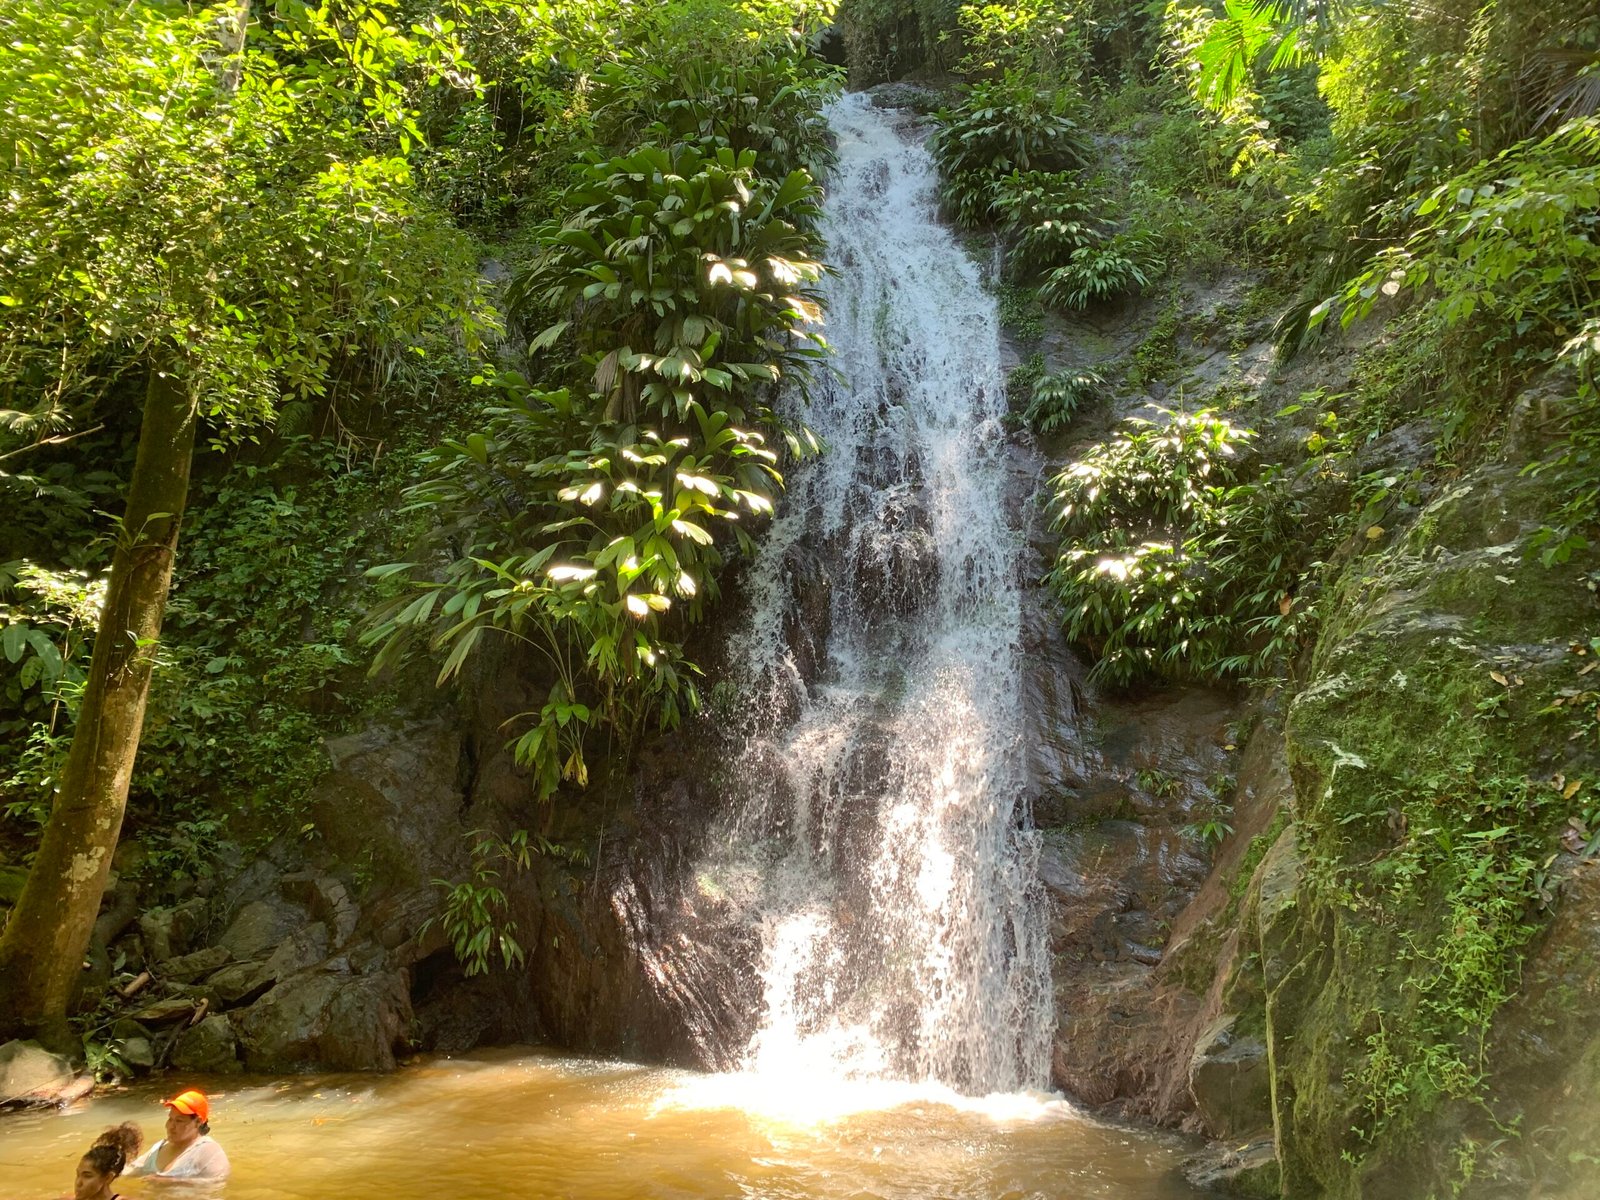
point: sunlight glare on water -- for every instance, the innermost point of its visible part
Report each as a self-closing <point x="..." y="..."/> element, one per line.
<point x="536" y="1127"/>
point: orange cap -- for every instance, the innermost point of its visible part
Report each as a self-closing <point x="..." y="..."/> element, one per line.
<point x="191" y="1103"/>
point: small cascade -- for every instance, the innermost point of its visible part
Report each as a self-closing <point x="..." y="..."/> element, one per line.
<point x="881" y="831"/>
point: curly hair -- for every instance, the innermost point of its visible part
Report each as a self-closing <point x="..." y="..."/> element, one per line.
<point x="112" y="1149"/>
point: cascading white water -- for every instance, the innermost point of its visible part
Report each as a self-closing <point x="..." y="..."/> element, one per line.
<point x="902" y="930"/>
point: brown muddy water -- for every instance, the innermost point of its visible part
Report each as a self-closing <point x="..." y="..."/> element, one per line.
<point x="529" y="1125"/>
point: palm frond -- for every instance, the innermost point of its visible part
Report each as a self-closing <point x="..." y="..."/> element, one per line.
<point x="1570" y="82"/>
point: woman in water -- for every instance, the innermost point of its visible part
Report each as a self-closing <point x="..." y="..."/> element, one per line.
<point x="98" y="1169"/>
<point x="187" y="1152"/>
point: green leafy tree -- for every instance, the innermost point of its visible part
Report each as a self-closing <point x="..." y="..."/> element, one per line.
<point x="591" y="521"/>
<point x="216" y="215"/>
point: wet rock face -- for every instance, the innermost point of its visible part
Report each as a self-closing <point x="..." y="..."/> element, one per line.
<point x="1119" y="868"/>
<point x="651" y="955"/>
<point x="1426" y="718"/>
<point x="1228" y="1078"/>
<point x="808" y="615"/>
<point x="323" y="1019"/>
<point x="892" y="561"/>
<point x="393" y="800"/>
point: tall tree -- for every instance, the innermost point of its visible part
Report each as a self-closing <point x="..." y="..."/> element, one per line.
<point x="224" y="212"/>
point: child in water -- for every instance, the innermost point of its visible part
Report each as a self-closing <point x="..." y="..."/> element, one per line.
<point x="98" y="1169"/>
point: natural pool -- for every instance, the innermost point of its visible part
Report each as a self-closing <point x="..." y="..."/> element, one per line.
<point x="534" y="1125"/>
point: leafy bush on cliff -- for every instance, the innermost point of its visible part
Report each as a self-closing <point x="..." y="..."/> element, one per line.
<point x="591" y="520"/>
<point x="1054" y="399"/>
<point x="1172" y="565"/>
<point x="1048" y="217"/>
<point x="995" y="128"/>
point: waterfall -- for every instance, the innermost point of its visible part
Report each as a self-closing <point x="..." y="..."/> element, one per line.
<point x="880" y="800"/>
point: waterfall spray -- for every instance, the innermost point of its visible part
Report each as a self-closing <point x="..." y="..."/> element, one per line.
<point x="902" y="926"/>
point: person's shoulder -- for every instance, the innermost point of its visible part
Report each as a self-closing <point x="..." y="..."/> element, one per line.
<point x="145" y="1163"/>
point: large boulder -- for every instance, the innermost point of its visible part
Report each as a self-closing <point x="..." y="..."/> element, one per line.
<point x="31" y="1075"/>
<point x="321" y="1020"/>
<point x="210" y="1048"/>
<point x="259" y="927"/>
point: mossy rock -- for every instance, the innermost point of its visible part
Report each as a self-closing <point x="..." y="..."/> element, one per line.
<point x="1421" y="752"/>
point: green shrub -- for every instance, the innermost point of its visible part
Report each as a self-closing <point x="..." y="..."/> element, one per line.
<point x="771" y="104"/>
<point x="47" y="624"/>
<point x="1122" y="264"/>
<point x="1171" y="565"/>
<point x="1508" y="253"/>
<point x="999" y="126"/>
<point x="591" y="521"/>
<point x="1048" y="216"/>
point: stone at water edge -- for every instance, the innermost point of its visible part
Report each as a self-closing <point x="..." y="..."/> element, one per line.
<point x="1249" y="1170"/>
<point x="138" y="1053"/>
<point x="1228" y="1080"/>
<point x="210" y="1048"/>
<point x="30" y="1074"/>
<point x="319" y="1019"/>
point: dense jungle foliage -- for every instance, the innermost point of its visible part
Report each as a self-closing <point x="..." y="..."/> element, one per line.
<point x="1430" y="172"/>
<point x="526" y="279"/>
<point x="528" y="276"/>
<point x="655" y="210"/>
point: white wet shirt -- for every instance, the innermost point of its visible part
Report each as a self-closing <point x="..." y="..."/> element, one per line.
<point x="202" y="1160"/>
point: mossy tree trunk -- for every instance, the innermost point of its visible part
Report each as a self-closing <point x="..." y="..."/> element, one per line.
<point x="41" y="951"/>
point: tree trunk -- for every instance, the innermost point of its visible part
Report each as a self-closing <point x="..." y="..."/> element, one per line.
<point x="42" y="949"/>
